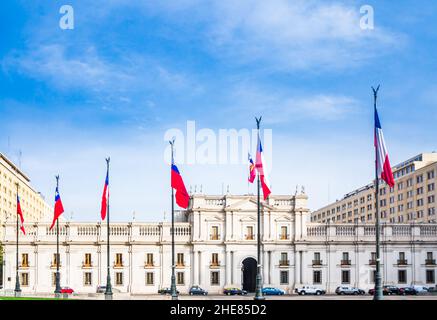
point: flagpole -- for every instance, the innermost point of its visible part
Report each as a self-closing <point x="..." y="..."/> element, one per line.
<point x="17" y="280"/>
<point x="258" y="290"/>
<point x="378" y="287"/>
<point x="108" y="290"/>
<point x="174" y="294"/>
<point x="58" y="280"/>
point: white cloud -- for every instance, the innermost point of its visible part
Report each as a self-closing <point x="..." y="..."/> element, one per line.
<point x="296" y="34"/>
<point x="285" y="107"/>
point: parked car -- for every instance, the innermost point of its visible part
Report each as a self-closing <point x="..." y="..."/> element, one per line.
<point x="391" y="289"/>
<point x="102" y="289"/>
<point x="348" y="290"/>
<point x="197" y="290"/>
<point x="67" y="290"/>
<point x="166" y="291"/>
<point x="385" y="291"/>
<point x="309" y="290"/>
<point x="269" y="291"/>
<point x="233" y="291"/>
<point x="407" y="291"/>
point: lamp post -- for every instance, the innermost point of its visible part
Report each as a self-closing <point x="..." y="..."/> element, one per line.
<point x="378" y="288"/>
<point x="17" y="290"/>
<point x="108" y="289"/>
<point x="259" y="285"/>
<point x="174" y="293"/>
<point x="58" y="280"/>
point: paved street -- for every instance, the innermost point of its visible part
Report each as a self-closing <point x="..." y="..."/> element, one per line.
<point x="248" y="297"/>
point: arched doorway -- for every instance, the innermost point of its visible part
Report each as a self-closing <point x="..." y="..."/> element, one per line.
<point x="249" y="274"/>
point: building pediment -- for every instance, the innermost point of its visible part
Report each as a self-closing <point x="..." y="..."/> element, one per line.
<point x="248" y="219"/>
<point x="213" y="219"/>
<point x="249" y="205"/>
<point x="283" y="219"/>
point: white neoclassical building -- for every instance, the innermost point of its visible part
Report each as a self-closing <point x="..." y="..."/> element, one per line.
<point x="216" y="247"/>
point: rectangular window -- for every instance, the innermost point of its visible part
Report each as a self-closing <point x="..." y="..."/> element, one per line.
<point x="284" y="233"/>
<point x="430" y="276"/>
<point x="149" y="278"/>
<point x="430" y="174"/>
<point x="180" y="277"/>
<point x="149" y="259"/>
<point x="215" y="278"/>
<point x="214" y="259"/>
<point x="180" y="259"/>
<point x="317" y="277"/>
<point x="87" y="262"/>
<point x="284" y="259"/>
<point x="214" y="233"/>
<point x="249" y="233"/>
<point x="118" y="260"/>
<point x="284" y="277"/>
<point x="54" y="278"/>
<point x="345" y="276"/>
<point x="87" y="280"/>
<point x="372" y="276"/>
<point x="25" y="260"/>
<point x="24" y="279"/>
<point x="119" y="278"/>
<point x="55" y="260"/>
<point x="402" y="276"/>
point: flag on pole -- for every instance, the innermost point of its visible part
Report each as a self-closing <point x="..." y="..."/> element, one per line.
<point x="383" y="168"/>
<point x="20" y="213"/>
<point x="252" y="171"/>
<point x="105" y="196"/>
<point x="59" y="209"/>
<point x="260" y="169"/>
<point x="182" y="197"/>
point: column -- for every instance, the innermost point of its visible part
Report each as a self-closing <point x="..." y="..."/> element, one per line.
<point x="200" y="269"/>
<point x="265" y="268"/>
<point x="228" y="276"/>
<point x="270" y="267"/>
<point x="196" y="268"/>
<point x="232" y="267"/>
<point x="297" y="268"/>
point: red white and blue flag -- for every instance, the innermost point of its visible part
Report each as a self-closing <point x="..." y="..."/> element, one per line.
<point x="105" y="197"/>
<point x="383" y="168"/>
<point x="252" y="171"/>
<point x="59" y="209"/>
<point x="260" y="169"/>
<point x="182" y="197"/>
<point x="20" y="213"/>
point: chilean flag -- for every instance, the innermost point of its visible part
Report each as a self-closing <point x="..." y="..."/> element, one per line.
<point x="260" y="169"/>
<point x="20" y="213"/>
<point x="182" y="197"/>
<point x="252" y="171"/>
<point x="59" y="209"/>
<point x="383" y="168"/>
<point x="105" y="196"/>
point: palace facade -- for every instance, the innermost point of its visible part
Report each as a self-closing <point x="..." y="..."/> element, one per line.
<point x="216" y="247"/>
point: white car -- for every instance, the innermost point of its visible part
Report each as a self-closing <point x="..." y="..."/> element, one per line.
<point x="420" y="289"/>
<point x="309" y="290"/>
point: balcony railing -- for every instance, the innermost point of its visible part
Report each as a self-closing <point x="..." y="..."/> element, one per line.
<point x="87" y="264"/>
<point x="372" y="262"/>
<point x="345" y="262"/>
<point x="118" y="264"/>
<point x="24" y="265"/>
<point x="180" y="264"/>
<point x="430" y="262"/>
<point x="149" y="264"/>
<point x="283" y="237"/>
<point x="214" y="237"/>
<point x="283" y="263"/>
<point x="402" y="262"/>
<point x="249" y="237"/>
<point x="317" y="262"/>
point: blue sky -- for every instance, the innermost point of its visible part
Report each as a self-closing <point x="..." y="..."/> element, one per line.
<point x="128" y="72"/>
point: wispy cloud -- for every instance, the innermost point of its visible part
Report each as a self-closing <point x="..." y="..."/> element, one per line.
<point x="282" y="107"/>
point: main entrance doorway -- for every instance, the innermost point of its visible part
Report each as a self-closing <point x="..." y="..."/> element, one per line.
<point x="249" y="274"/>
